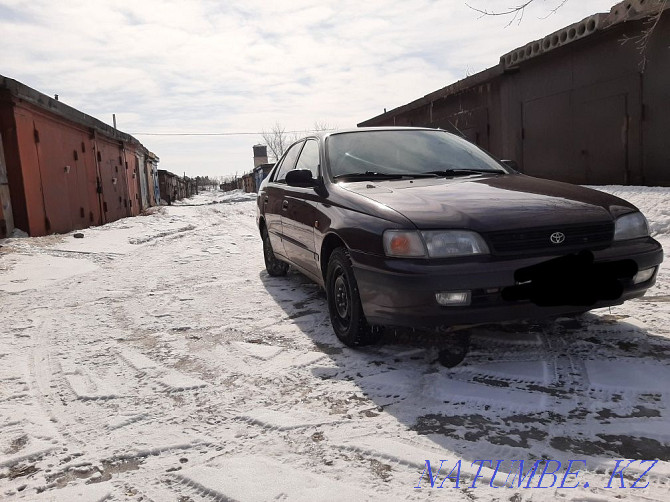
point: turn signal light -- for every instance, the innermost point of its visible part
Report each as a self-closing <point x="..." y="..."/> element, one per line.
<point x="400" y="245"/>
<point x="405" y="243"/>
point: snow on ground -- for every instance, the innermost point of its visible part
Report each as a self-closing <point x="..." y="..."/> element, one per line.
<point x="154" y="359"/>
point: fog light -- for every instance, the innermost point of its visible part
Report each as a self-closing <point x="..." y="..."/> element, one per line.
<point x="451" y="298"/>
<point x="644" y="275"/>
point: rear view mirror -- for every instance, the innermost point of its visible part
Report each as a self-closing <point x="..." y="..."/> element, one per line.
<point x="300" y="178"/>
<point x="511" y="163"/>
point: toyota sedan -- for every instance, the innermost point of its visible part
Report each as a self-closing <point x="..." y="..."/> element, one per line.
<point x="420" y="228"/>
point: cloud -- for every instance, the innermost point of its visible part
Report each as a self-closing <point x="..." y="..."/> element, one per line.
<point x="241" y="66"/>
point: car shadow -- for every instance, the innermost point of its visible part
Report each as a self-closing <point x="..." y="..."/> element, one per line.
<point x="591" y="387"/>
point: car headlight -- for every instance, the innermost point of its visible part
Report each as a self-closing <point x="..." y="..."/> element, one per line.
<point x="433" y="243"/>
<point x="630" y="226"/>
<point x="445" y="243"/>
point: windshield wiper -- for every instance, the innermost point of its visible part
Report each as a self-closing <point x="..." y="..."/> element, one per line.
<point x="368" y="175"/>
<point x="463" y="172"/>
<point x="419" y="175"/>
<point x="385" y="176"/>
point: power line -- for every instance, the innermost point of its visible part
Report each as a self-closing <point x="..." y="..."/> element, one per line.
<point x="224" y="133"/>
<point x="194" y="133"/>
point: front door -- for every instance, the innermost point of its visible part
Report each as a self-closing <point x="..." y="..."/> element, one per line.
<point x="274" y="200"/>
<point x="300" y="214"/>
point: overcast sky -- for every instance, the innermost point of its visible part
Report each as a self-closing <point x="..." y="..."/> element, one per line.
<point x="205" y="66"/>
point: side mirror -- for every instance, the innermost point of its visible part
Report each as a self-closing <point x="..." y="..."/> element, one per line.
<point x="300" y="178"/>
<point x="511" y="163"/>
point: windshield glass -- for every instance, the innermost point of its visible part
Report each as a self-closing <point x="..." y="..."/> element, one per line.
<point x="405" y="152"/>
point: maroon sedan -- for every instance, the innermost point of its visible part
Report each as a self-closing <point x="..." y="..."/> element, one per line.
<point x="420" y="228"/>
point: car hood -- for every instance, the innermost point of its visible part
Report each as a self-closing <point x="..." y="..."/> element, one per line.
<point x="492" y="203"/>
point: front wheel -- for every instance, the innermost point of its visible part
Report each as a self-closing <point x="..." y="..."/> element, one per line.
<point x="273" y="265"/>
<point x="344" y="302"/>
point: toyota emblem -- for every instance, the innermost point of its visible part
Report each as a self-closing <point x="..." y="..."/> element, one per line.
<point x="557" y="237"/>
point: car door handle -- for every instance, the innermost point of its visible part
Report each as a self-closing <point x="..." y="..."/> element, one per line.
<point x="284" y="205"/>
<point x="266" y="200"/>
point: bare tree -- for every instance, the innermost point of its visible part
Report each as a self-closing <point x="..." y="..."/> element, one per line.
<point x="320" y="125"/>
<point x="278" y="140"/>
<point x="641" y="41"/>
<point x="516" y="13"/>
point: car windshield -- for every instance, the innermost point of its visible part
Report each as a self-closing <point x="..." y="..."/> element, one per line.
<point x="394" y="154"/>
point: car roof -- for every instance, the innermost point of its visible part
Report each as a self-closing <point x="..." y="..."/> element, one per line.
<point x="324" y="134"/>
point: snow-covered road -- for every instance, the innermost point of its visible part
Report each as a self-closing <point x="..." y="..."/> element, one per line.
<point x="155" y="360"/>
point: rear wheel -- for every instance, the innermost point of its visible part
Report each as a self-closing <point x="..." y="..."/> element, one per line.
<point x="273" y="265"/>
<point x="344" y="303"/>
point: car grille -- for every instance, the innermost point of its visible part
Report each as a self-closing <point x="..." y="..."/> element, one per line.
<point x="538" y="239"/>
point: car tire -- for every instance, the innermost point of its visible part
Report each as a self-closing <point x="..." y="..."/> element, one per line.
<point x="344" y="303"/>
<point x="273" y="265"/>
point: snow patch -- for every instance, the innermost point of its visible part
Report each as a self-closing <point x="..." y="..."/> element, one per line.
<point x="415" y="456"/>
<point x="156" y="449"/>
<point x="125" y="420"/>
<point x="258" y="350"/>
<point x="152" y="237"/>
<point x="628" y="375"/>
<point x="140" y="362"/>
<point x="36" y="448"/>
<point x="541" y="372"/>
<point x="174" y="381"/>
<point x="88" y="387"/>
<point x="41" y="271"/>
<point x="444" y="389"/>
<point x="280" y="420"/>
<point x="171" y="380"/>
<point x="297" y="359"/>
<point x="255" y="478"/>
<point x="97" y="492"/>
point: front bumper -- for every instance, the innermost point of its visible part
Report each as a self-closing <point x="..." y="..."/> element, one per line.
<point x="401" y="292"/>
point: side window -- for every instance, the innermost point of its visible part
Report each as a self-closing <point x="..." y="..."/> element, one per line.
<point x="309" y="158"/>
<point x="288" y="164"/>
